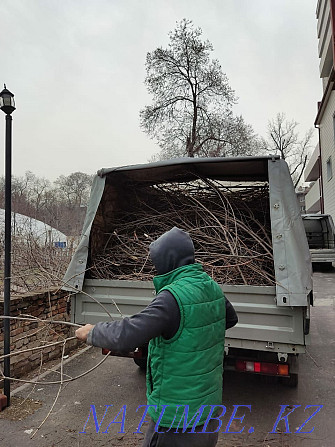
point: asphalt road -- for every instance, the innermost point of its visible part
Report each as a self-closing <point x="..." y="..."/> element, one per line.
<point x="117" y="389"/>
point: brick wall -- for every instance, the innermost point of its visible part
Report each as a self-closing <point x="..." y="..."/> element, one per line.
<point x="28" y="334"/>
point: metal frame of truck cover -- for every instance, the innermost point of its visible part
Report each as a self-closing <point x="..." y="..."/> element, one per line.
<point x="270" y="318"/>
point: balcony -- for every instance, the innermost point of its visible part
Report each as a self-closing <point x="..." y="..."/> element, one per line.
<point x="326" y="56"/>
<point x="312" y="199"/>
<point x="312" y="172"/>
<point x="322" y="13"/>
<point x="325" y="35"/>
<point x="324" y="32"/>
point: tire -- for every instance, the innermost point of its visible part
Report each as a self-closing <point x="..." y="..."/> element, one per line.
<point x="141" y="362"/>
<point x="291" y="381"/>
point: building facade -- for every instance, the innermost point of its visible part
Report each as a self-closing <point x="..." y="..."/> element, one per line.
<point x="321" y="168"/>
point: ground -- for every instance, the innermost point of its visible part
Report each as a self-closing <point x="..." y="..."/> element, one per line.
<point x="118" y="382"/>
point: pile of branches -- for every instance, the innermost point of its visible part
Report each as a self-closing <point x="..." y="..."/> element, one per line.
<point x="230" y="228"/>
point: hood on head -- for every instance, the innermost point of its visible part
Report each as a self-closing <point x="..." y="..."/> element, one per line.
<point x="172" y="250"/>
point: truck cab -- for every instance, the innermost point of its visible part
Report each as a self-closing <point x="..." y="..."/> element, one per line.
<point x="320" y="232"/>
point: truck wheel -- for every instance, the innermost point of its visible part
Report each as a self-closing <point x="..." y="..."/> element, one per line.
<point x="142" y="363"/>
<point x="291" y="381"/>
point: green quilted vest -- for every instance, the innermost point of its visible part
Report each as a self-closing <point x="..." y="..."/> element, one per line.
<point x="187" y="369"/>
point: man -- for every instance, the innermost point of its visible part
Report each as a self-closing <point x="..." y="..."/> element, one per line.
<point x="185" y="327"/>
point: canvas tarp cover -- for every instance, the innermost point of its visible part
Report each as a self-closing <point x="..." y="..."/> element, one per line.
<point x="292" y="263"/>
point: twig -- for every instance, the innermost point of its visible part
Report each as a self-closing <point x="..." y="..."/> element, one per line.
<point x="67" y="323"/>
<point x="58" y="393"/>
<point x="56" y="382"/>
<point x="36" y="348"/>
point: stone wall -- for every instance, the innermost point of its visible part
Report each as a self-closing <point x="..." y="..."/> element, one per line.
<point x="29" y="334"/>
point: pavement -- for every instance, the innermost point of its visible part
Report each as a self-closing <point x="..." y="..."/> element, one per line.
<point x="102" y="408"/>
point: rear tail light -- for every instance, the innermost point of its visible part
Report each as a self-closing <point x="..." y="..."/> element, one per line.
<point x="269" y="368"/>
<point x="283" y="370"/>
<point x="105" y="351"/>
<point x="276" y="369"/>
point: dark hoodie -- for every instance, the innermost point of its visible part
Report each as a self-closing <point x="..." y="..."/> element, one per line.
<point x="172" y="250"/>
<point x="162" y="317"/>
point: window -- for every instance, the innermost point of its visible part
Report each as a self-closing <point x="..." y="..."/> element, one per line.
<point x="329" y="168"/>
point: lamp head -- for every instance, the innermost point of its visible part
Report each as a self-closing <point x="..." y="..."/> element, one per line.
<point x="7" y="103"/>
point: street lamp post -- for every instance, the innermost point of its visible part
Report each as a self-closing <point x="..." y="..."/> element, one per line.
<point x="7" y="105"/>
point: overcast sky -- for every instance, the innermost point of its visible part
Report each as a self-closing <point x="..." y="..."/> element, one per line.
<point x="76" y="68"/>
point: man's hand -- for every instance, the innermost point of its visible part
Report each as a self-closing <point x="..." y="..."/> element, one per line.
<point x="82" y="332"/>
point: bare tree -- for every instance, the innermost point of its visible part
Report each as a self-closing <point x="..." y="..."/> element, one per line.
<point x="36" y="261"/>
<point x="75" y="188"/>
<point x="191" y="114"/>
<point x="20" y="194"/>
<point x="284" y="139"/>
<point x="61" y="205"/>
<point x="36" y="188"/>
<point x="27" y="194"/>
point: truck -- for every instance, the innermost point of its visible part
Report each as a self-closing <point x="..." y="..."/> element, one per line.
<point x="274" y="316"/>
<point x="320" y="232"/>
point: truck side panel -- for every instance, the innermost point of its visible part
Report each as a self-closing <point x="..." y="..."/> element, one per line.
<point x="262" y="325"/>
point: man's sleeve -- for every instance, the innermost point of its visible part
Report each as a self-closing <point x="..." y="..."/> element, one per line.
<point x="231" y="316"/>
<point x="161" y="317"/>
